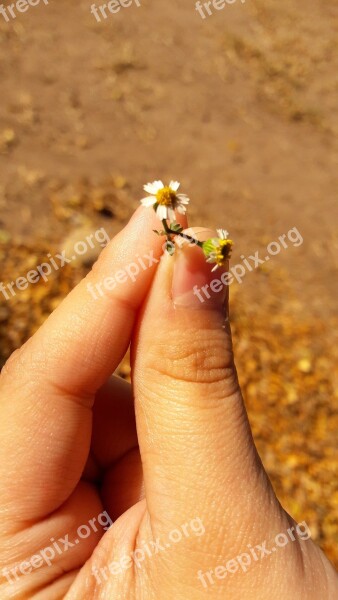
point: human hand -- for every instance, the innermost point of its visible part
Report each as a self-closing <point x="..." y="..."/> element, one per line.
<point x="197" y="499"/>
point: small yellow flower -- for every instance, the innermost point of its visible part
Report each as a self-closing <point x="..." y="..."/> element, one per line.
<point x="165" y="199"/>
<point x="218" y="250"/>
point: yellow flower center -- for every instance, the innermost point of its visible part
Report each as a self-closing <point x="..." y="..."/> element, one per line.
<point x="166" y="196"/>
<point x="223" y="251"/>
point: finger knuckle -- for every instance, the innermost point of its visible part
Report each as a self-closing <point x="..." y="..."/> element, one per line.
<point x="203" y="359"/>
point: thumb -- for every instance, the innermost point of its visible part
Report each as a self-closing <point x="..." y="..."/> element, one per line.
<point x="196" y="445"/>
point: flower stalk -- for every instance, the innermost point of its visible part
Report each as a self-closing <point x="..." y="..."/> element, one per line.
<point x="165" y="200"/>
<point x="179" y="232"/>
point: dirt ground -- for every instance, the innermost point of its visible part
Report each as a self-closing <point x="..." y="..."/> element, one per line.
<point x="241" y="107"/>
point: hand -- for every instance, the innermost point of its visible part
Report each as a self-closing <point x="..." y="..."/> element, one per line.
<point x="195" y="516"/>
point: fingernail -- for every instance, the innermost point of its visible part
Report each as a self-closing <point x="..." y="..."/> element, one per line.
<point x="194" y="284"/>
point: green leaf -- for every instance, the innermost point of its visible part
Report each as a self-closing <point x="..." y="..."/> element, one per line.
<point x="176" y="227"/>
<point x="160" y="232"/>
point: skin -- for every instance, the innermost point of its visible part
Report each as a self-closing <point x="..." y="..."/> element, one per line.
<point x="174" y="453"/>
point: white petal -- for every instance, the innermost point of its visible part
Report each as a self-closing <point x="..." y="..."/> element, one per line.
<point x="161" y="212"/>
<point x="181" y="209"/>
<point x="214" y="268"/>
<point x="148" y="201"/>
<point x="158" y="184"/>
<point x="171" y="214"/>
<point x="222" y="234"/>
<point x="154" y="187"/>
<point x="149" y="187"/>
<point x="183" y="198"/>
<point x="174" y="185"/>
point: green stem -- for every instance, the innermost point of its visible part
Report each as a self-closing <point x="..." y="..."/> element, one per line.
<point x="183" y="235"/>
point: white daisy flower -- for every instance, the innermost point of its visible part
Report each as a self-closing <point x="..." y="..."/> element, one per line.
<point x="165" y="199"/>
<point x="218" y="250"/>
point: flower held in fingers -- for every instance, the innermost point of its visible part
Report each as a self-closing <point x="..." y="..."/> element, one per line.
<point x="218" y="250"/>
<point x="165" y="199"/>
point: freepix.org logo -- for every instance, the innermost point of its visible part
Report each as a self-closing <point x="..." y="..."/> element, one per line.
<point x="111" y="8"/>
<point x="16" y="8"/>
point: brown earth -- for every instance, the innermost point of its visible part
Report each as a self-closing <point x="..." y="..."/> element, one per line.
<point x="242" y="109"/>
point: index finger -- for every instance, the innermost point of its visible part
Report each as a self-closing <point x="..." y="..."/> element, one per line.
<point x="49" y="386"/>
